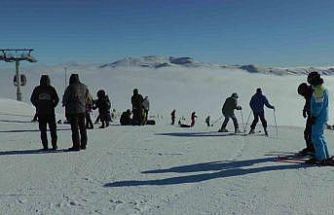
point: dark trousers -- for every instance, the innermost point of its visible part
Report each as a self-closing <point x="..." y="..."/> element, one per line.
<point x="78" y="123"/>
<point x="44" y="120"/>
<point x="227" y="118"/>
<point x="256" y="119"/>
<point x="89" y="123"/>
<point x="137" y="116"/>
<point x="308" y="134"/>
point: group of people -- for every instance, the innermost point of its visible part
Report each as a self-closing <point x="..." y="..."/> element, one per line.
<point x="316" y="112"/>
<point x="257" y="103"/>
<point x="78" y="104"/>
<point x="139" y="113"/>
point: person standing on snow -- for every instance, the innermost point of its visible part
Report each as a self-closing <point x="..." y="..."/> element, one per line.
<point x="319" y="117"/>
<point x="172" y="115"/>
<point x="74" y="100"/>
<point x="231" y="103"/>
<point x="137" y="108"/>
<point x="103" y="104"/>
<point x="44" y="97"/>
<point x="146" y="108"/>
<point x="306" y="91"/>
<point x="257" y="103"/>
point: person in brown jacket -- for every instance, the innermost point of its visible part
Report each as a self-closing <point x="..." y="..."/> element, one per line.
<point x="74" y="99"/>
<point x="231" y="103"/>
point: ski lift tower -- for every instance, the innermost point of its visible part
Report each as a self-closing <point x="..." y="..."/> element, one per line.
<point x="17" y="55"/>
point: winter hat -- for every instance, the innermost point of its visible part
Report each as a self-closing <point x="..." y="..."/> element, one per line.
<point x="302" y="88"/>
<point x="314" y="79"/>
<point x="101" y="93"/>
<point x="235" y="95"/>
<point x="74" y="78"/>
<point x="259" y="90"/>
<point x="311" y="76"/>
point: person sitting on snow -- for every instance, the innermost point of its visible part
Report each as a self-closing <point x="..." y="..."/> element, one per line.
<point x="231" y="103"/>
<point x="193" y="117"/>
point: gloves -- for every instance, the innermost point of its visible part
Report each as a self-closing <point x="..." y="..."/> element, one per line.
<point x="312" y="120"/>
<point x="304" y="113"/>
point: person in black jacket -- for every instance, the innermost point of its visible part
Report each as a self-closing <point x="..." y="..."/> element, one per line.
<point x="103" y="104"/>
<point x="126" y="118"/>
<point x="306" y="91"/>
<point x="75" y="102"/>
<point x="45" y="98"/>
<point x="137" y="108"/>
<point x="231" y="104"/>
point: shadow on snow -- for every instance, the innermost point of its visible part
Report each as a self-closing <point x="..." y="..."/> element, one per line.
<point x="200" y="134"/>
<point x="225" y="170"/>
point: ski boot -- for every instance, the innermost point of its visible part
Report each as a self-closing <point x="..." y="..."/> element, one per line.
<point x="252" y="131"/>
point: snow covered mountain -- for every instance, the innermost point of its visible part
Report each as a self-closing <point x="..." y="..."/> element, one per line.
<point x="157" y="62"/>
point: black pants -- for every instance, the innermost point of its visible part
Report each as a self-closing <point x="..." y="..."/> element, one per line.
<point x="77" y="122"/>
<point x="308" y="134"/>
<point x="256" y="119"/>
<point x="227" y="118"/>
<point x="137" y="116"/>
<point x="44" y="120"/>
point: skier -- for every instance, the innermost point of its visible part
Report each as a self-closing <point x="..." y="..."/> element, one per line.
<point x="231" y="103"/>
<point x="306" y="91"/>
<point x="44" y="97"/>
<point x="173" y="117"/>
<point x="319" y="117"/>
<point x="137" y="108"/>
<point x="103" y="104"/>
<point x="146" y="108"/>
<point x="74" y="100"/>
<point x="207" y="121"/>
<point x="257" y="103"/>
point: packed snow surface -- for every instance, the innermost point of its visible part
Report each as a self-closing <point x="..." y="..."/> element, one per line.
<point x="163" y="169"/>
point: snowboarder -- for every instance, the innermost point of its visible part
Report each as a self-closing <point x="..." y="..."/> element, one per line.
<point x="146" y="108"/>
<point x="137" y="108"/>
<point x="103" y="104"/>
<point x="45" y="98"/>
<point x="306" y="91"/>
<point x="319" y="117"/>
<point x="257" y="103"/>
<point x="231" y="103"/>
<point x="126" y="118"/>
<point x="74" y="101"/>
<point x="173" y="117"/>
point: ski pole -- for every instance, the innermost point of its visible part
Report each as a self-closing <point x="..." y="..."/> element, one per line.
<point x="250" y="112"/>
<point x="275" y="122"/>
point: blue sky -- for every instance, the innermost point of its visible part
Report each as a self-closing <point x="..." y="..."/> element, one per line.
<point x="263" y="32"/>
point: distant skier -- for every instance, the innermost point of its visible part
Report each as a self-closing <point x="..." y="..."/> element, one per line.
<point x="74" y="100"/>
<point x="172" y="115"/>
<point x="319" y="118"/>
<point x="45" y="98"/>
<point x="207" y="121"/>
<point x="146" y="108"/>
<point x="137" y="108"/>
<point x="306" y="91"/>
<point x="257" y="103"/>
<point x="103" y="104"/>
<point x="231" y="104"/>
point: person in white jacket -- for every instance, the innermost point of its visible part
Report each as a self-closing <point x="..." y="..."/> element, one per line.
<point x="146" y="108"/>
